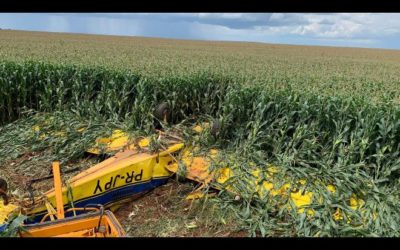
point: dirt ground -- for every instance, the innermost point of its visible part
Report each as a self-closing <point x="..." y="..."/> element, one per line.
<point x="19" y="179"/>
<point x="164" y="212"/>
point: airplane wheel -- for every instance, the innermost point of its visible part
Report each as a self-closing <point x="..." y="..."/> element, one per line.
<point x="215" y="129"/>
<point x="3" y="185"/>
<point x="3" y="190"/>
<point x="163" y="112"/>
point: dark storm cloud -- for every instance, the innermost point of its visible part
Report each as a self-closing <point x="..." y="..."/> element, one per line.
<point x="229" y="20"/>
<point x="344" y="29"/>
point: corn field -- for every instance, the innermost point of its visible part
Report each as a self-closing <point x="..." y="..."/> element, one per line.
<point x="330" y="114"/>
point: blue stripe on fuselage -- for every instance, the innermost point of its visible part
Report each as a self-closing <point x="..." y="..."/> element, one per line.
<point x="109" y="197"/>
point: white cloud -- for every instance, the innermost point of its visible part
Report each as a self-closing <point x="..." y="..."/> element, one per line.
<point x="350" y="25"/>
<point x="356" y="29"/>
<point x="319" y="25"/>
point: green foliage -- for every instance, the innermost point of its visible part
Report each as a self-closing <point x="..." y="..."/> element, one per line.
<point x="14" y="226"/>
<point x="335" y="121"/>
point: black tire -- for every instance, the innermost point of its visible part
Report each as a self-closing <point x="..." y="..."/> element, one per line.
<point x="215" y="128"/>
<point x="163" y="112"/>
<point x="3" y="185"/>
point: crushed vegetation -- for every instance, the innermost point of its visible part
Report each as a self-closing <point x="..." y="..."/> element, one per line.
<point x="343" y="140"/>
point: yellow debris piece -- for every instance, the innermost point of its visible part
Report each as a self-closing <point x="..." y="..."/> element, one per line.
<point x="356" y="203"/>
<point x="214" y="152"/>
<point x="117" y="134"/>
<point x="300" y="200"/>
<point x="331" y="188"/>
<point x="42" y="136"/>
<point x="36" y="128"/>
<point x="5" y="211"/>
<point x="195" y="195"/>
<point x="144" y="143"/>
<point x="117" y="141"/>
<point x="273" y="169"/>
<point x="374" y="215"/>
<point x="302" y="182"/>
<point x="338" y="215"/>
<point x="224" y="174"/>
<point x="198" y="169"/>
<point x="59" y="134"/>
<point x="198" y="129"/>
<point x="81" y="130"/>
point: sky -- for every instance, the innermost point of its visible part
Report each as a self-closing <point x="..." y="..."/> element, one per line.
<point x="369" y="30"/>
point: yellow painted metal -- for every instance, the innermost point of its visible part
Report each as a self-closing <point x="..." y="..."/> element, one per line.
<point x="58" y="190"/>
<point x="128" y="167"/>
<point x="6" y="210"/>
<point x="50" y="210"/>
<point x="100" y="224"/>
<point x="81" y="226"/>
<point x="135" y="165"/>
<point x="118" y="141"/>
<point x="195" y="195"/>
<point x="200" y="127"/>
